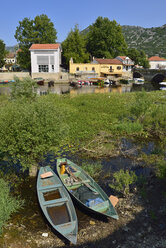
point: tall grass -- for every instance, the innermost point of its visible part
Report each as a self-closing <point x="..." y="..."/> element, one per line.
<point x="8" y="203"/>
<point x="30" y="129"/>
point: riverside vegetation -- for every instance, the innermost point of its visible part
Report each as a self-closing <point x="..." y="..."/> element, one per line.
<point x="32" y="127"/>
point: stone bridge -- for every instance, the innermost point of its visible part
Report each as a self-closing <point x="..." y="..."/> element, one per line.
<point x="152" y="75"/>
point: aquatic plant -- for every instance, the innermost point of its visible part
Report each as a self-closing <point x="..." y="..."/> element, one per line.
<point x="52" y="123"/>
<point x="122" y="181"/>
<point x="161" y="165"/>
<point x="8" y="203"/>
<point x="93" y="169"/>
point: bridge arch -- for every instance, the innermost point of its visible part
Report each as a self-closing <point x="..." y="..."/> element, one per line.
<point x="137" y="74"/>
<point x="158" y="77"/>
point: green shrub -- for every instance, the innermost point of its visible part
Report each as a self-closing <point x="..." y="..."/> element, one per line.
<point x="123" y="81"/>
<point x="162" y="169"/>
<point x="8" y="203"/>
<point x="23" y="89"/>
<point x="141" y="104"/>
<point x="122" y="181"/>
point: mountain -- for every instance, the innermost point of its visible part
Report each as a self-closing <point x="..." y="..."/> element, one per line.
<point x="11" y="48"/>
<point x="151" y="40"/>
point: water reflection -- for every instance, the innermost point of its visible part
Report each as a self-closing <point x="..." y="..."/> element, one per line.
<point x="65" y="88"/>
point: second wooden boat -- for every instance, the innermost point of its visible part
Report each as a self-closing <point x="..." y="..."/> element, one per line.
<point x="84" y="189"/>
<point x="56" y="204"/>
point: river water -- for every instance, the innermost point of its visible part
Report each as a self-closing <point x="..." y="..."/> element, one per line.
<point x="65" y="88"/>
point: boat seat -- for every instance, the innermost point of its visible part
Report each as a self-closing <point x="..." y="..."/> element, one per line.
<point x="54" y="186"/>
<point x="77" y="183"/>
<point x="101" y="207"/>
<point x="57" y="201"/>
<point x="67" y="227"/>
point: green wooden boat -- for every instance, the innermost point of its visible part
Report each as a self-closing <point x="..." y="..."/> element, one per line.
<point x="56" y="204"/>
<point x="84" y="189"/>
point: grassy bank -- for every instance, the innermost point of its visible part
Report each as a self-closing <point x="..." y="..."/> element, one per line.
<point x="30" y="129"/>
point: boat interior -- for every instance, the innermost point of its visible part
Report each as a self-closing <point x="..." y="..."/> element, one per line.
<point x="84" y="190"/>
<point x="56" y="204"/>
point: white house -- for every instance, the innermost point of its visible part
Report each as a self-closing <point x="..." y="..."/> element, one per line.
<point x="128" y="64"/>
<point x="45" y="58"/>
<point x="157" y="63"/>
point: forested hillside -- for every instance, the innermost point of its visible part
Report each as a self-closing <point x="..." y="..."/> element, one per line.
<point x="151" y="40"/>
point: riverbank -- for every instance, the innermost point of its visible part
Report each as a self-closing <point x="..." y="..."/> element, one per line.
<point x="141" y="224"/>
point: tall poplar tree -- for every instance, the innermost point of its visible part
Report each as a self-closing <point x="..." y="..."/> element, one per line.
<point x="2" y="53"/>
<point x="40" y="30"/>
<point x="105" y="39"/>
<point x="74" y="47"/>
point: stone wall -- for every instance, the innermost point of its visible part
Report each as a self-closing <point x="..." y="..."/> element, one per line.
<point x="60" y="77"/>
<point x="11" y="75"/>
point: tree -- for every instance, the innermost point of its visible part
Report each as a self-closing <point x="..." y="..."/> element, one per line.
<point x="40" y="30"/>
<point x="105" y="39"/>
<point x="74" y="47"/>
<point x="2" y="53"/>
<point x="138" y="56"/>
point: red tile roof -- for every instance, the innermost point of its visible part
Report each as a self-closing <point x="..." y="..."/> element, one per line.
<point x="122" y="57"/>
<point x="44" y="46"/>
<point x="109" y="61"/>
<point x="10" y="55"/>
<point x="156" y="58"/>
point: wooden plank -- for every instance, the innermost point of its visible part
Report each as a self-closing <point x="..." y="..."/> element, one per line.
<point x="47" y="174"/>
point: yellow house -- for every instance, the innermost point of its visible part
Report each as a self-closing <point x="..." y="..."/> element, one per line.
<point x="100" y="67"/>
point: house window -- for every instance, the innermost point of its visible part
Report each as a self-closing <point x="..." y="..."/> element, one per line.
<point x="77" y="69"/>
<point x="52" y="67"/>
<point x="43" y="68"/>
<point x="93" y="69"/>
<point x="111" y="68"/>
<point x="118" y="67"/>
<point x="86" y="68"/>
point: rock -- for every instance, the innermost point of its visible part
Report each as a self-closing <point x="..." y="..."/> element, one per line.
<point x="149" y="229"/>
<point x="92" y="222"/>
<point x="45" y="235"/>
<point x="126" y="229"/>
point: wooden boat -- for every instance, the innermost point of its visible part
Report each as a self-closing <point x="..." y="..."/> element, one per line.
<point x="84" y="189"/>
<point x="56" y="204"/>
<point x="138" y="81"/>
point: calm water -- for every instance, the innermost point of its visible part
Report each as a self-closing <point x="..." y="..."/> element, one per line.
<point x="65" y="88"/>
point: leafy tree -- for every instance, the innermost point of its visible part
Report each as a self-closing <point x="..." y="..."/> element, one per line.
<point x="138" y="56"/>
<point x="40" y="30"/>
<point x="74" y="47"/>
<point x="105" y="39"/>
<point x="2" y="53"/>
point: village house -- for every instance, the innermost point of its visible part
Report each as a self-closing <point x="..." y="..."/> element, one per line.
<point x="45" y="58"/>
<point x="10" y="60"/>
<point x="128" y="64"/>
<point x="157" y="63"/>
<point x="98" y="67"/>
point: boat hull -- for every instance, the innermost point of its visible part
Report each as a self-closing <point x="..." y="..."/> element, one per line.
<point x="56" y="204"/>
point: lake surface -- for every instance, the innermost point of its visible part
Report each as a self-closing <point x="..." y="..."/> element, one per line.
<point x="65" y="88"/>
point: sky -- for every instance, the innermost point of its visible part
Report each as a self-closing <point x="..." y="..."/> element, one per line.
<point x="65" y="14"/>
